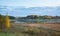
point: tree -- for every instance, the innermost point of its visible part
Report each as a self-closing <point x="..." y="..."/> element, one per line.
<point x="7" y="21"/>
<point x="0" y="17"/>
<point x="2" y="24"/>
<point x="0" y="21"/>
<point x="32" y="16"/>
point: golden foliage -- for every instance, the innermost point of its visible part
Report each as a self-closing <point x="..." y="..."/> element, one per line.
<point x="7" y="21"/>
<point x="4" y="22"/>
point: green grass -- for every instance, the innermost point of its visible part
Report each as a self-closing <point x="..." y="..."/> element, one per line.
<point x="6" y="34"/>
<point x="11" y="34"/>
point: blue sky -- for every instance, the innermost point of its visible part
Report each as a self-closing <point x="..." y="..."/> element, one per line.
<point x="30" y="3"/>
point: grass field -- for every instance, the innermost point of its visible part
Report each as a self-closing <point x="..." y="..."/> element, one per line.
<point x="32" y="30"/>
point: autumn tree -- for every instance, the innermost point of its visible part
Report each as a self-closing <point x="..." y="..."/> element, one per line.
<point x="7" y="21"/>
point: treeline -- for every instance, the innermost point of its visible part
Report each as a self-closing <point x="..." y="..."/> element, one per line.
<point x="35" y="17"/>
<point x="40" y="17"/>
<point x="10" y="17"/>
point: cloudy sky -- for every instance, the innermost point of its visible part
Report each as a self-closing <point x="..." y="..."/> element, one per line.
<point x="31" y="3"/>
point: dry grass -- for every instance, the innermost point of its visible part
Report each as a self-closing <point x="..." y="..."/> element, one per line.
<point x="47" y="26"/>
<point x="34" y="29"/>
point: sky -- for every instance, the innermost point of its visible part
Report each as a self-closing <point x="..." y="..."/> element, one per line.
<point x="30" y="3"/>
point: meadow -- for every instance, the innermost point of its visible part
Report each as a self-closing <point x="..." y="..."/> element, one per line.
<point x="32" y="29"/>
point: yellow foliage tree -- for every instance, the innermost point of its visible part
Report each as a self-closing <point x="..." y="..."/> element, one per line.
<point x="7" y="21"/>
